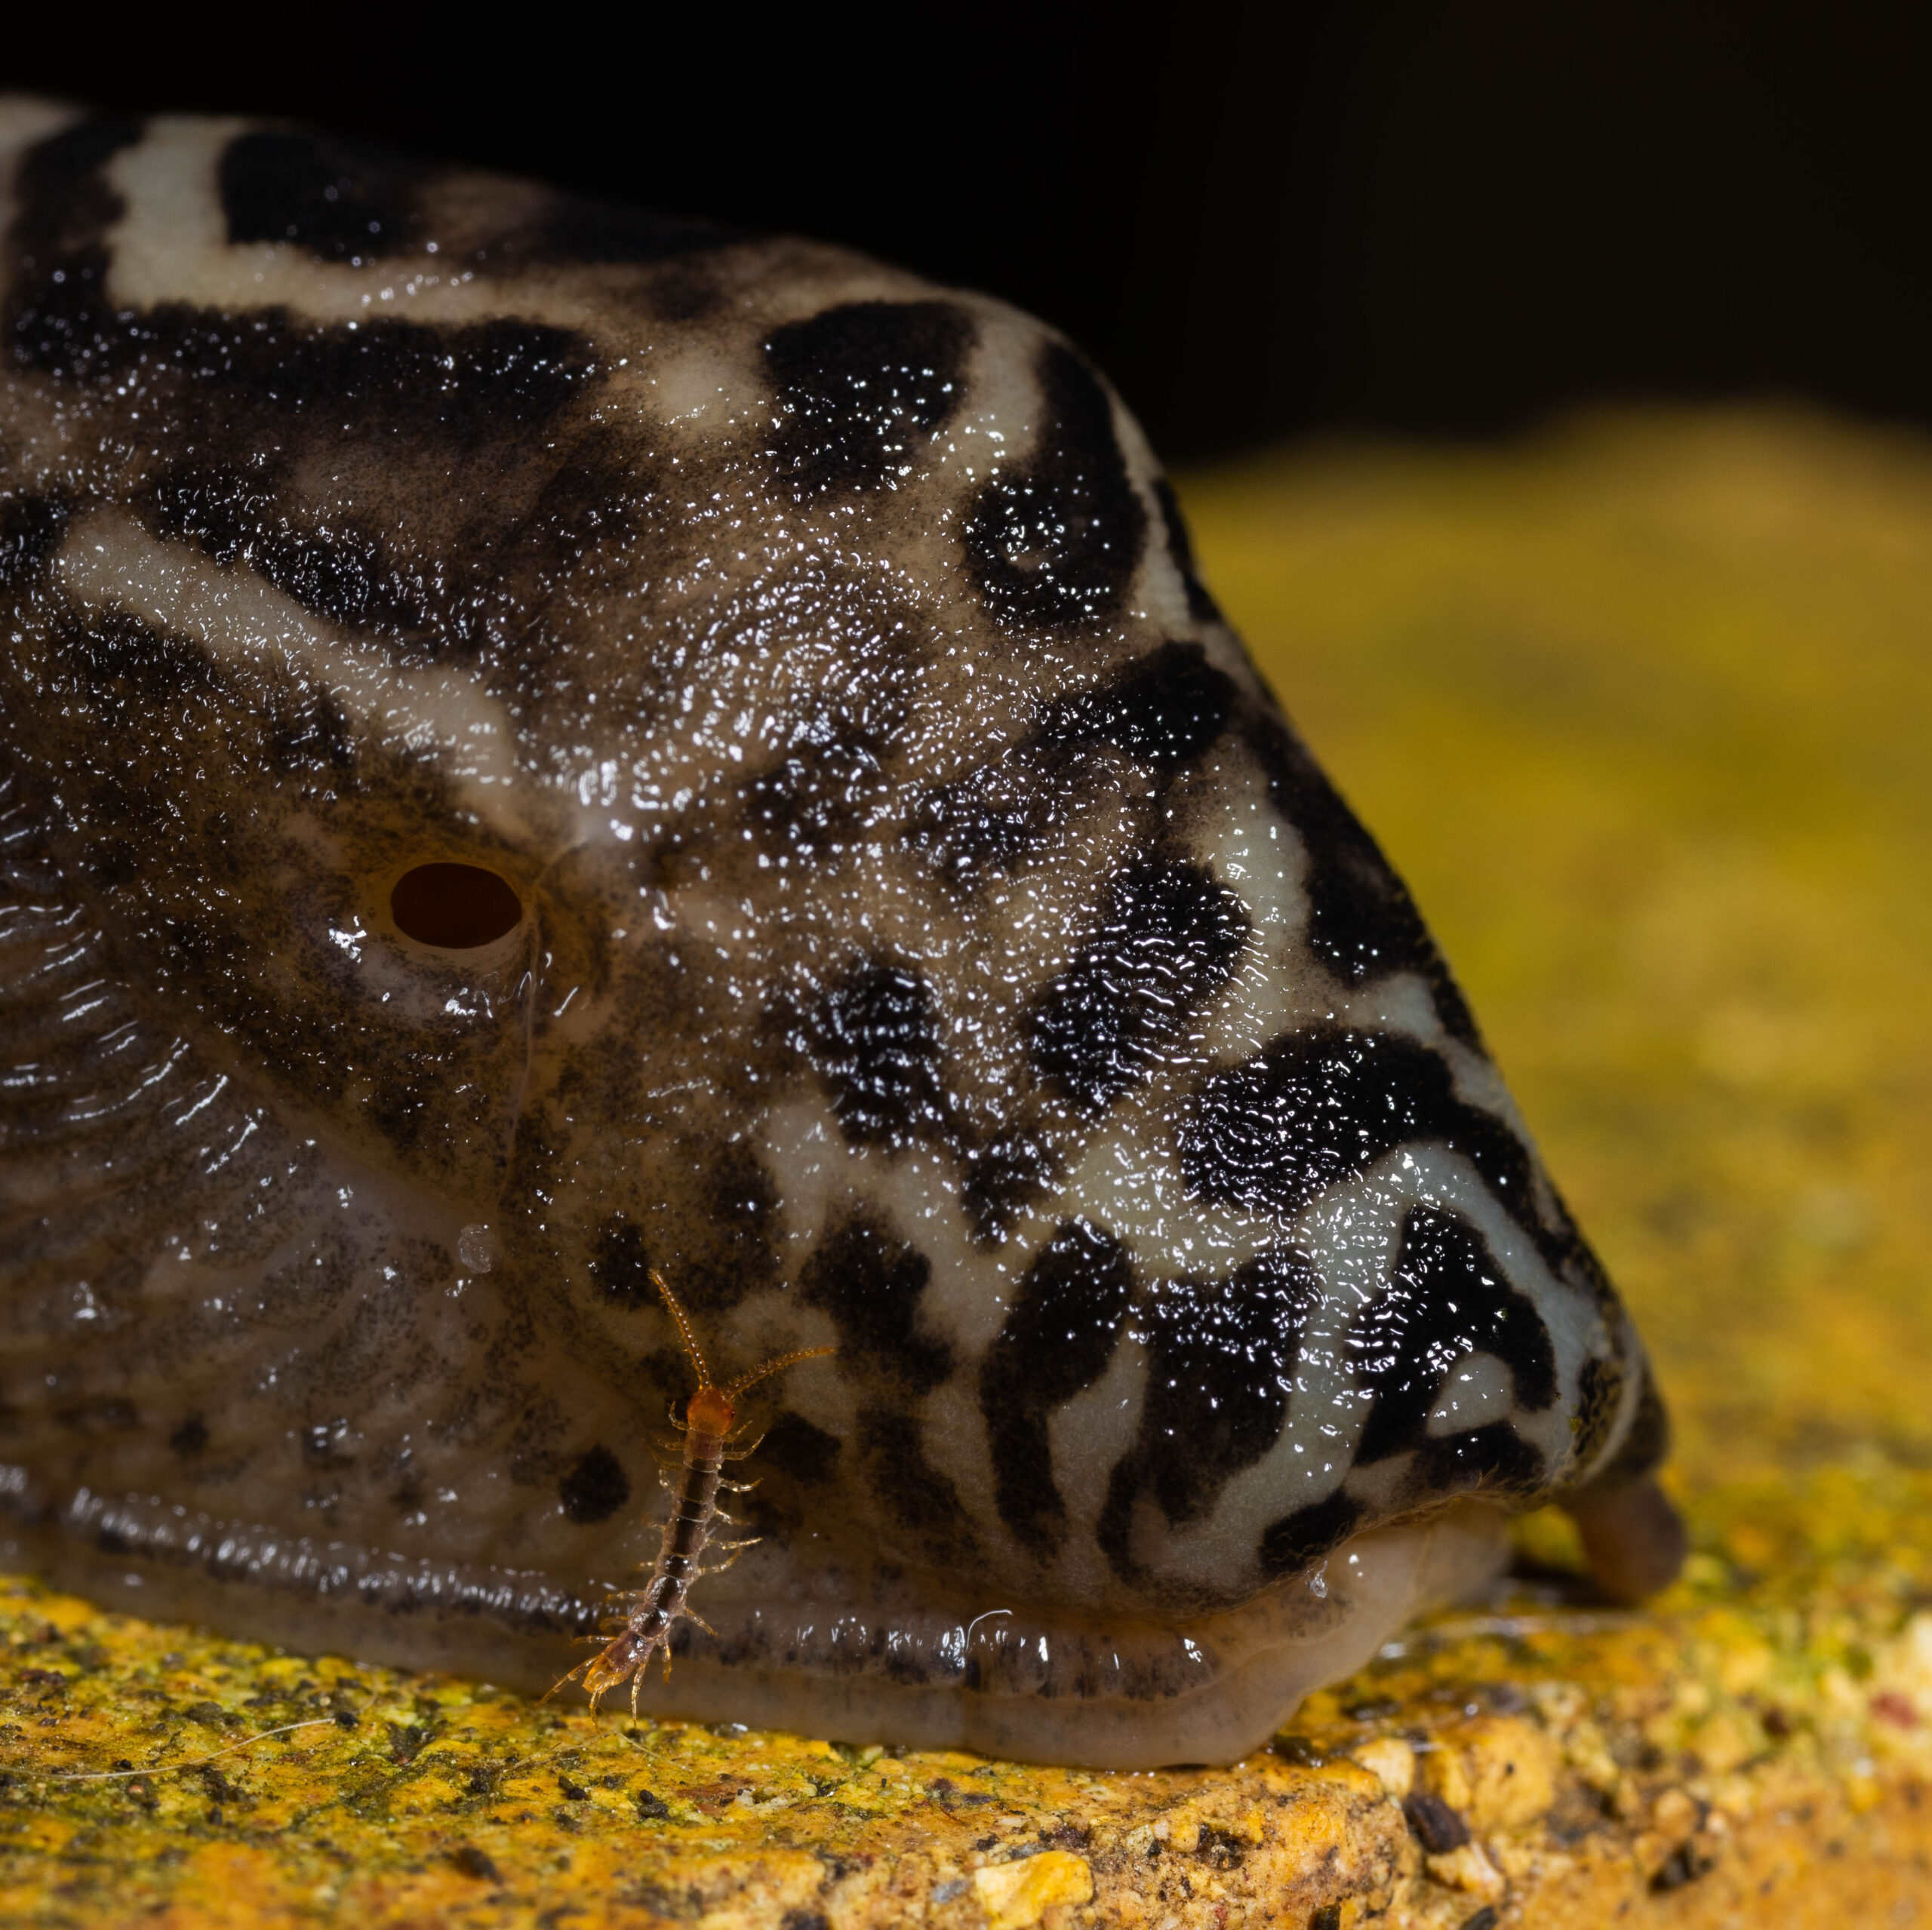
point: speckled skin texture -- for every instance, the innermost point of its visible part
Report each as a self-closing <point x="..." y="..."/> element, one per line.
<point x="933" y="942"/>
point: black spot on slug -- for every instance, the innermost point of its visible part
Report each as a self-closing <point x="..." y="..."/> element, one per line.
<point x="121" y="663"/>
<point x="1057" y="1338"/>
<point x="308" y="734"/>
<point x="1319" y="1106"/>
<point x="1308" y="1534"/>
<point x="1221" y="1365"/>
<point x="736" y="1203"/>
<point x="803" y="1452"/>
<point x="876" y="1044"/>
<point x="223" y="510"/>
<point x="1164" y="708"/>
<point x="818" y="798"/>
<point x="1221" y="1358"/>
<point x="30" y="527"/>
<point x="1200" y="606"/>
<point x="1446" y="1298"/>
<point x="342" y="201"/>
<point x="1647" y="1443"/>
<point x="1056" y="543"/>
<point x="863" y="385"/>
<point x="1495" y="1459"/>
<point x="58" y="320"/>
<point x="892" y="1447"/>
<point x="595" y="1486"/>
<point x="462" y="386"/>
<point x="1599" y="1390"/>
<point x="1006" y="812"/>
<point x="341" y="574"/>
<point x="190" y="1438"/>
<point x="871" y="1283"/>
<point x="1166" y="942"/>
<point x="621" y="1264"/>
<point x="1362" y="923"/>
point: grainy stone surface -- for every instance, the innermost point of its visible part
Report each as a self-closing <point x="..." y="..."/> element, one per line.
<point x="1639" y="709"/>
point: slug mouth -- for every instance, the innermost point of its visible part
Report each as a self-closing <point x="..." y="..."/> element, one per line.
<point x="849" y="1654"/>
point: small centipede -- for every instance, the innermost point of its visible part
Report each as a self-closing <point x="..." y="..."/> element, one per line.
<point x="650" y="1613"/>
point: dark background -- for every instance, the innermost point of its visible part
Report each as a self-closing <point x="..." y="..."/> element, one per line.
<point x="1261" y="219"/>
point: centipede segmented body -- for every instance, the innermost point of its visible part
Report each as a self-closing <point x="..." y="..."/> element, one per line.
<point x="710" y="1428"/>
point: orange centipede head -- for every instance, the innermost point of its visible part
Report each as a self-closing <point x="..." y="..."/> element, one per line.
<point x="711" y="1409"/>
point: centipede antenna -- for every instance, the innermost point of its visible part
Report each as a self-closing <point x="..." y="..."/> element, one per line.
<point x="757" y="1374"/>
<point x="685" y="1332"/>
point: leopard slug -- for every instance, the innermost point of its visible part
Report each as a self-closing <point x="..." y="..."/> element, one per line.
<point x="540" y="742"/>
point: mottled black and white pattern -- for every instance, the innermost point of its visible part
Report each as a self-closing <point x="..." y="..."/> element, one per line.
<point x="924" y="935"/>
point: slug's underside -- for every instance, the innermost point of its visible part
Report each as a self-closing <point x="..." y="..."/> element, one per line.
<point x="541" y="742"/>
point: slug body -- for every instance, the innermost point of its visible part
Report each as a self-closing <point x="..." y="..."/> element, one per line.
<point x="539" y="742"/>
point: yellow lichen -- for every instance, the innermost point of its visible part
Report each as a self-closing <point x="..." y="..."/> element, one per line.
<point x="1015" y="1895"/>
